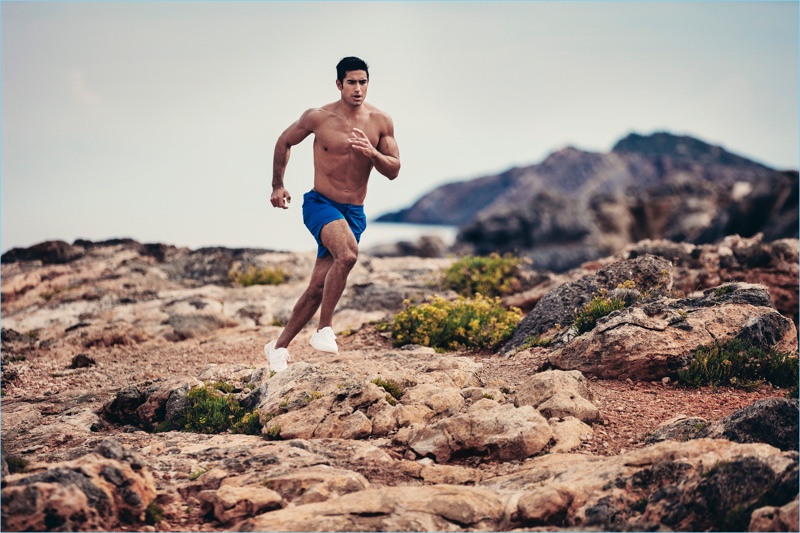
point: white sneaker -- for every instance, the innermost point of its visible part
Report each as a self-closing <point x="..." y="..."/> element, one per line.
<point x="276" y="357"/>
<point x="324" y="340"/>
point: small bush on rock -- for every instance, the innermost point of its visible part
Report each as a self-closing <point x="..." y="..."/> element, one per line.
<point x="210" y="410"/>
<point x="153" y="514"/>
<point x="16" y="464"/>
<point x="600" y="306"/>
<point x="466" y="323"/>
<point x="491" y="275"/>
<point x="258" y="276"/>
<point x="740" y="364"/>
<point x="249" y="424"/>
<point x="394" y="389"/>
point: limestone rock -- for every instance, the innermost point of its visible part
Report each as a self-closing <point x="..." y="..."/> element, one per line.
<point x="501" y="432"/>
<point x="557" y="393"/>
<point x="97" y="491"/>
<point x="147" y="404"/>
<point x="442" y="401"/>
<point x="683" y="486"/>
<point x="734" y="258"/>
<point x="316" y="484"/>
<point x="427" y="508"/>
<point x="680" y="428"/>
<point x="195" y="325"/>
<point x="784" y="518"/>
<point x="569" y="434"/>
<point x="773" y="421"/>
<point x="652" y="341"/>
<point x="648" y="272"/>
<point x="230" y="503"/>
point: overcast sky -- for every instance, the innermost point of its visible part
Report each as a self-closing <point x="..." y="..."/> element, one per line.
<point x="157" y="120"/>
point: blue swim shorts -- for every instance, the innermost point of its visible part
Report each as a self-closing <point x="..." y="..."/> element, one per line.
<point x="319" y="210"/>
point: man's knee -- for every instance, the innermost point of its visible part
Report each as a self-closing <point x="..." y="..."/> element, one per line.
<point x="347" y="258"/>
<point x="315" y="290"/>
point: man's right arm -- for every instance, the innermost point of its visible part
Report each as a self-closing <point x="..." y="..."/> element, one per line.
<point x="293" y="135"/>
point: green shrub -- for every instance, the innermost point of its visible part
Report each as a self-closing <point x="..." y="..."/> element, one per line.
<point x="722" y="290"/>
<point x="196" y="474"/>
<point x="16" y="464"/>
<point x="249" y="424"/>
<point x="600" y="306"/>
<point x="164" y="426"/>
<point x="479" y="322"/>
<point x="274" y="432"/>
<point x="153" y="514"/>
<point x="258" y="276"/>
<point x="740" y="364"/>
<point x="210" y="410"/>
<point x="223" y="386"/>
<point x="394" y="389"/>
<point x="535" y="342"/>
<point x="490" y="275"/>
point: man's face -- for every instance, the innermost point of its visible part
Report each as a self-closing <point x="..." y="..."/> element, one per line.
<point x="354" y="87"/>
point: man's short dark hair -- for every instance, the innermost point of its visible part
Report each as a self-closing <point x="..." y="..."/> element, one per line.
<point x="350" y="63"/>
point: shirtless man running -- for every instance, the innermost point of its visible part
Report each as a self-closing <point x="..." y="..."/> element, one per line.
<point x="351" y="138"/>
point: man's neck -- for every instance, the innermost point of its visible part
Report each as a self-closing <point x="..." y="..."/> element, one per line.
<point x="349" y="111"/>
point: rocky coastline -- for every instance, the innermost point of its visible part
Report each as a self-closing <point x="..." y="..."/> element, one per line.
<point x="102" y="343"/>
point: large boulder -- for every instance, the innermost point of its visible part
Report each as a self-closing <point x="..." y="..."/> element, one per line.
<point x="652" y="341"/>
<point x="773" y="421"/>
<point x="734" y="258"/>
<point x="700" y="485"/>
<point x="559" y="394"/>
<point x="102" y="490"/>
<point x="426" y="508"/>
<point x="501" y="432"/>
<point x="649" y="273"/>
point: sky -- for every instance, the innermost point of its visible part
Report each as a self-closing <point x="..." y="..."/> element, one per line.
<point x="158" y="120"/>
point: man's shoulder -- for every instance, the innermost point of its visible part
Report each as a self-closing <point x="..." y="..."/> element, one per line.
<point x="378" y="115"/>
<point x="318" y="111"/>
<point x="315" y="115"/>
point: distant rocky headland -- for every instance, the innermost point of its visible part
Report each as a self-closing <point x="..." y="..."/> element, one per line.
<point x="577" y="206"/>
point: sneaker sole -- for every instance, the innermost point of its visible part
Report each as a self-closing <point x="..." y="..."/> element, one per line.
<point x="325" y="349"/>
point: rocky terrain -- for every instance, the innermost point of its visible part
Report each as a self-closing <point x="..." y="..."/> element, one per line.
<point x="577" y="206"/>
<point x="102" y="343"/>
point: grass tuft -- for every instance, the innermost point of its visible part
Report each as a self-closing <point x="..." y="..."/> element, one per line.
<point x="394" y="389"/>
<point x="600" y="306"/>
<point x="16" y="464"/>
<point x="258" y="276"/>
<point x="153" y="514"/>
<point x="740" y="364"/>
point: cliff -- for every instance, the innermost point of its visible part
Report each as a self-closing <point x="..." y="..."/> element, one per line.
<point x="577" y="206"/>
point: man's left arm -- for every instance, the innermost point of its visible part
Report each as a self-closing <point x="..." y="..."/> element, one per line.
<point x="386" y="156"/>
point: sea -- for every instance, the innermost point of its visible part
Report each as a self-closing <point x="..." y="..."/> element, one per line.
<point x="296" y="238"/>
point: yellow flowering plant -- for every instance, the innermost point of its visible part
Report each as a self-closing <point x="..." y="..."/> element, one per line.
<point x="466" y="323"/>
<point x="491" y="275"/>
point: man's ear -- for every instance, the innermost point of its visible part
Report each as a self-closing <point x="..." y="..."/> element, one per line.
<point x="339" y="85"/>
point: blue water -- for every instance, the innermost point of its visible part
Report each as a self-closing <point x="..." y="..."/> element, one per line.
<point x="296" y="238"/>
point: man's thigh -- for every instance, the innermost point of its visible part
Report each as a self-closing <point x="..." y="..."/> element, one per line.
<point x="337" y="237"/>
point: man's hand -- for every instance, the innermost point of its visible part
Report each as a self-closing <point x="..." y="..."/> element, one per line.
<point x="280" y="198"/>
<point x="360" y="143"/>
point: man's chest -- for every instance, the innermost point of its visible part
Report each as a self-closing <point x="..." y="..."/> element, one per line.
<point x="333" y="134"/>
